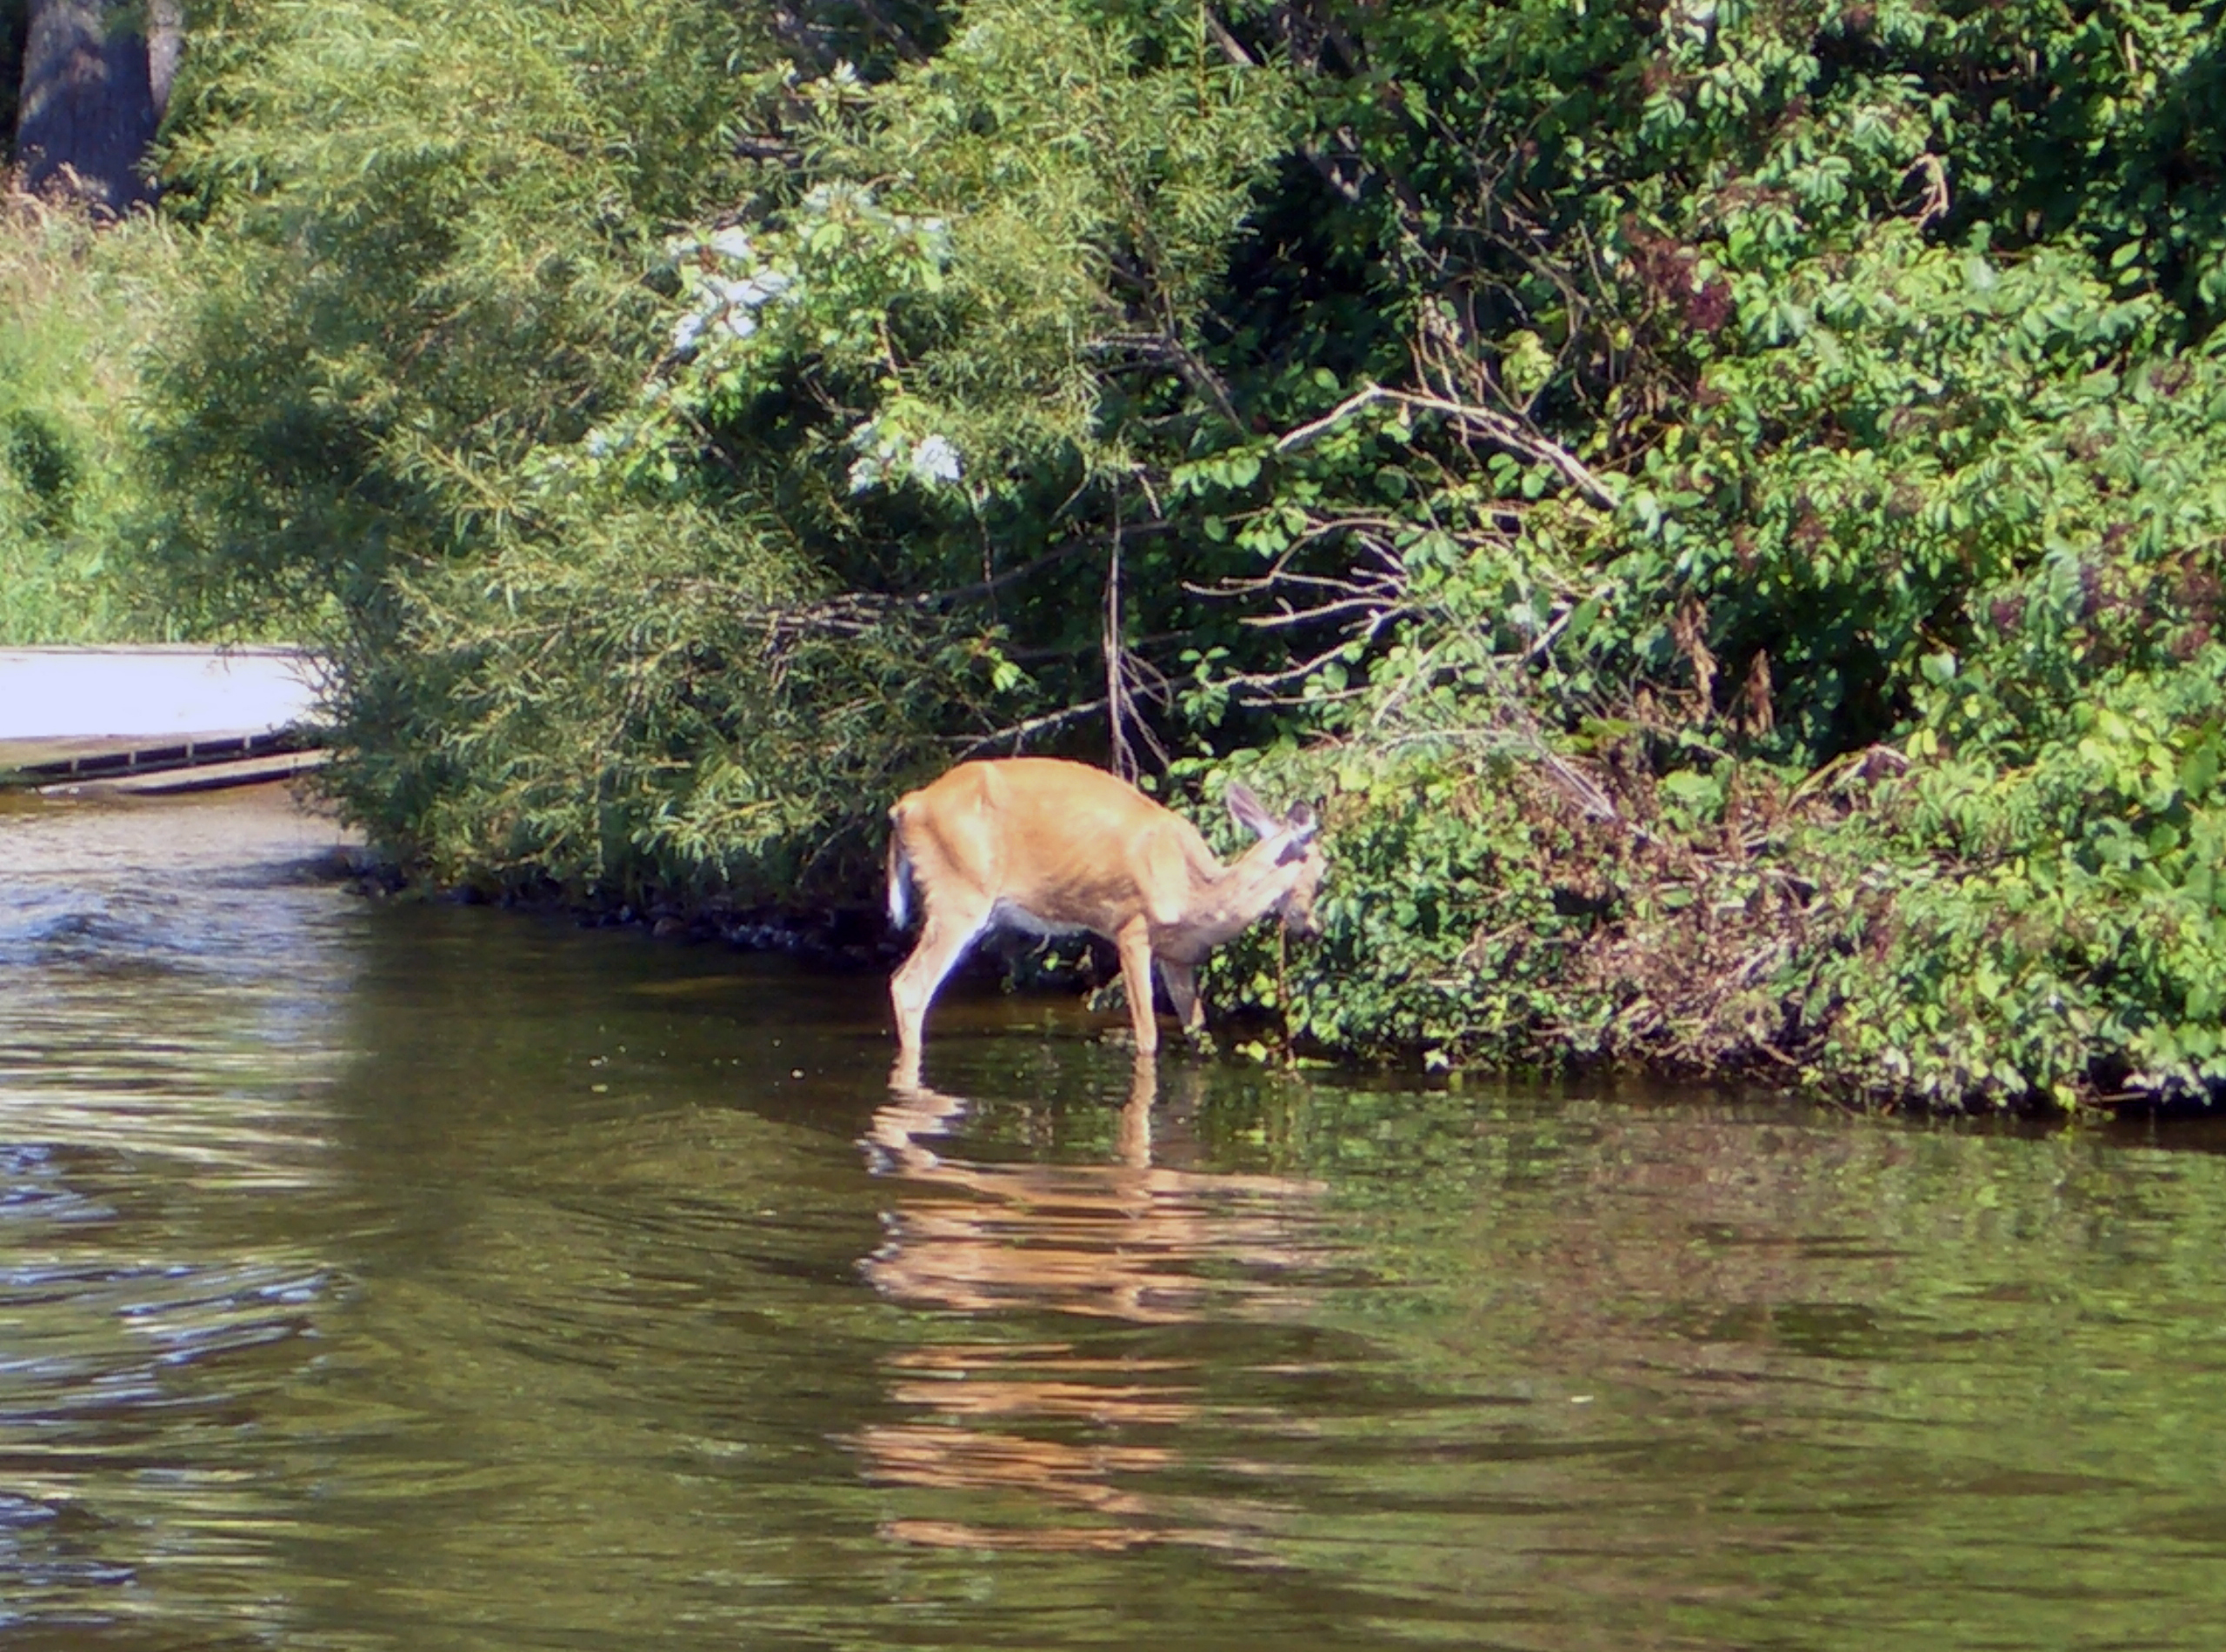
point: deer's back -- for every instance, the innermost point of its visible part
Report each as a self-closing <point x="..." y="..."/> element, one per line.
<point x="1051" y="845"/>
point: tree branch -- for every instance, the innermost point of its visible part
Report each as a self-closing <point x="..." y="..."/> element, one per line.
<point x="1507" y="431"/>
<point x="1065" y="552"/>
<point x="1019" y="731"/>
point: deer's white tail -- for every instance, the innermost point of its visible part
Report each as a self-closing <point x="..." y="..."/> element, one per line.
<point x="900" y="879"/>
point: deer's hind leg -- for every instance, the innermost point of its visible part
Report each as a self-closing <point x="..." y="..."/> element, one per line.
<point x="943" y="940"/>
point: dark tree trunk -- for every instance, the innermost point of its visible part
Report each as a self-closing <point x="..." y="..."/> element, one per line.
<point x="93" y="94"/>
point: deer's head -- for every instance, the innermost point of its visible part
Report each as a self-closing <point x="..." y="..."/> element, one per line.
<point x="1293" y="841"/>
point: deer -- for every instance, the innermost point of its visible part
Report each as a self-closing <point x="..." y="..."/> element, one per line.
<point x="1048" y="847"/>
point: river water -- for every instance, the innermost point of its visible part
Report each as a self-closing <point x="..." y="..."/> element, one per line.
<point x="415" y="1277"/>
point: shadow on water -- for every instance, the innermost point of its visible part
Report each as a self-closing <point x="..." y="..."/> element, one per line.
<point x="432" y="1278"/>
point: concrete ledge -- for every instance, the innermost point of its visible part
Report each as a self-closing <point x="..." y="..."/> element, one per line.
<point x="210" y="777"/>
<point x="133" y="694"/>
<point x="117" y="719"/>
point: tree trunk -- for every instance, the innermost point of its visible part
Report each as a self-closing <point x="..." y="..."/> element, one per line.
<point x="165" y="45"/>
<point x="94" y="92"/>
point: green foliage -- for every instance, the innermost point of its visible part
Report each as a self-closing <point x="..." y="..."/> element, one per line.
<point x="1847" y="476"/>
<point x="1441" y="931"/>
<point x="75" y="304"/>
<point x="2064" y="922"/>
<point x="419" y="261"/>
<point x="621" y="709"/>
<point x="1722" y="503"/>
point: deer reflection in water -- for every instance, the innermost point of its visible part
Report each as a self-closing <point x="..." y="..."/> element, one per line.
<point x="1073" y="1429"/>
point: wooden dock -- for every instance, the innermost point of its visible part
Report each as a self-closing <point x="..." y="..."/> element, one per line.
<point x="156" y="719"/>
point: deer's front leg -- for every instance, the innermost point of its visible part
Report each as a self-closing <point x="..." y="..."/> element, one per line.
<point x="1135" y="943"/>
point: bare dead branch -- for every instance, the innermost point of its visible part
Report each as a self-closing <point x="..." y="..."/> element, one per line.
<point x="1017" y="732"/>
<point x="1933" y="206"/>
<point x="1122" y="760"/>
<point x="1229" y="45"/>
<point x="1506" y="429"/>
<point x="1166" y="349"/>
<point x="1066" y="551"/>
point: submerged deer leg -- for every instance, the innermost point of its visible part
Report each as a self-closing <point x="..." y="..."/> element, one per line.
<point x="1182" y="990"/>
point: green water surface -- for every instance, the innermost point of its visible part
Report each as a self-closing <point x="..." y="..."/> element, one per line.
<point x="430" y="1278"/>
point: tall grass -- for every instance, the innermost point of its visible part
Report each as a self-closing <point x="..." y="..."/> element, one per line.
<point x="78" y="300"/>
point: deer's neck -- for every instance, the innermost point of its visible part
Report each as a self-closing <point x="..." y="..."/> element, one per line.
<point x="1228" y="899"/>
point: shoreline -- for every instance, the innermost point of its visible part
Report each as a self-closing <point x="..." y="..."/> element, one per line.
<point x="855" y="939"/>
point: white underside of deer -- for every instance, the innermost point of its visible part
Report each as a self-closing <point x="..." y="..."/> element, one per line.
<point x="1048" y="847"/>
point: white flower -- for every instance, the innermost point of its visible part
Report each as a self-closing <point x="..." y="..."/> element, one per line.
<point x="936" y="459"/>
<point x="748" y="295"/>
<point x="687" y="330"/>
<point x="730" y="243"/>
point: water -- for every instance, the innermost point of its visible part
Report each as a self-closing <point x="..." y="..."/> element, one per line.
<point x="425" y="1278"/>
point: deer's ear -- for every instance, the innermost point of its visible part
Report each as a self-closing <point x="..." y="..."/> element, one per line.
<point x="1248" y="811"/>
